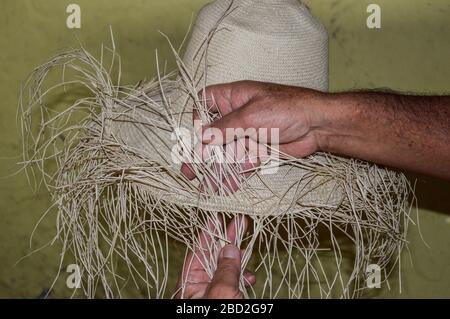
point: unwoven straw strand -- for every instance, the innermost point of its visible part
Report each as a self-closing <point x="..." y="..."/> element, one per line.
<point x="119" y="232"/>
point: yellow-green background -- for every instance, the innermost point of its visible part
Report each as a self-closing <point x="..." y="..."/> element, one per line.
<point x="410" y="53"/>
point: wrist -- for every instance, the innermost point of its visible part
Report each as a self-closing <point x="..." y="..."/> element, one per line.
<point x="332" y="121"/>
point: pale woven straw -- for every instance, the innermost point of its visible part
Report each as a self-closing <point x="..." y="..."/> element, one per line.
<point x="120" y="195"/>
<point x="268" y="41"/>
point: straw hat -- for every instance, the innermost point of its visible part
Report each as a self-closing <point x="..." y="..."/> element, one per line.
<point x="118" y="181"/>
<point x="290" y="47"/>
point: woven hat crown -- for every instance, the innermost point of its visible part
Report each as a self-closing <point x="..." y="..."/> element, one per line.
<point x="268" y="41"/>
<point x="275" y="41"/>
<point x="278" y="41"/>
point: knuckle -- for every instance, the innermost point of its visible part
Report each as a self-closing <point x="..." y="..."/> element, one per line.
<point x="227" y="265"/>
<point x="245" y="117"/>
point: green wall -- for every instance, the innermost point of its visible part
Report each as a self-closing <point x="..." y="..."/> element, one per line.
<point x="409" y="53"/>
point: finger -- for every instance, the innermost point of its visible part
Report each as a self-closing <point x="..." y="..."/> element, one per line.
<point x="209" y="235"/>
<point x="299" y="149"/>
<point x="211" y="178"/>
<point x="253" y="154"/>
<point x="225" y="282"/>
<point x="224" y="98"/>
<point x="230" y="127"/>
<point x="234" y="154"/>
<point x="237" y="228"/>
<point x="188" y="171"/>
<point x="187" y="167"/>
<point x="235" y="163"/>
<point x="204" y="249"/>
<point x="244" y="156"/>
<point x="260" y="152"/>
<point x="199" y="154"/>
<point x="192" y="291"/>
<point x="252" y="151"/>
<point x="249" y="278"/>
<point x="230" y="184"/>
<point x="217" y="98"/>
<point x="186" y="272"/>
<point x="192" y="269"/>
<point x="195" y="115"/>
<point x="204" y="155"/>
<point x="195" y="258"/>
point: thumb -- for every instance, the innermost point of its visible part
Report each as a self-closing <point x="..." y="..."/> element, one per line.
<point x="225" y="282"/>
<point x="229" y="127"/>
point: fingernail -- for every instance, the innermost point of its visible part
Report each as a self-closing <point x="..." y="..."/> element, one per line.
<point x="207" y="136"/>
<point x="230" y="251"/>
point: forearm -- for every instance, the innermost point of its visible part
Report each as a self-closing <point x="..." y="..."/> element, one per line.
<point x="407" y="132"/>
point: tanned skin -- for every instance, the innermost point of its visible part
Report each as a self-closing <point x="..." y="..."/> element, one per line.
<point x="401" y="131"/>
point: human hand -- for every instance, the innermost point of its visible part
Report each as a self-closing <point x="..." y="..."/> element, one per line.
<point x="195" y="282"/>
<point x="384" y="128"/>
<point x="251" y="106"/>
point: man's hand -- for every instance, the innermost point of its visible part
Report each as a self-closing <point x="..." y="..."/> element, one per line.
<point x="194" y="281"/>
<point x="245" y="105"/>
<point x="225" y="282"/>
<point x="402" y="131"/>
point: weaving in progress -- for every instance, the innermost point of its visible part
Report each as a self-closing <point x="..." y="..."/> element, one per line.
<point x="307" y="227"/>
